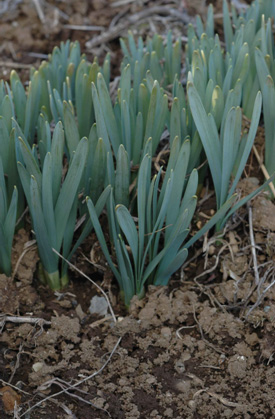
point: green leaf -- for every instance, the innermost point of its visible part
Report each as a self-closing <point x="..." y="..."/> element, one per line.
<point x="100" y="121"/>
<point x="175" y="123"/>
<point x="242" y="159"/>
<point x="178" y="183"/>
<point x="151" y="112"/>
<point x="125" y="83"/>
<point x="230" y="148"/>
<point x="25" y="178"/>
<point x="9" y="224"/>
<point x="19" y="97"/>
<point x="208" y="134"/>
<point x="268" y="110"/>
<point x="127" y="284"/>
<point x="173" y="157"/>
<point x="109" y="117"/>
<point x="227" y="26"/>
<point x="101" y="238"/>
<point x="89" y="226"/>
<point x="32" y="106"/>
<point x="12" y="173"/>
<point x="122" y="179"/>
<point x="71" y="130"/>
<point x="241" y="70"/>
<point x="5" y="261"/>
<point x="30" y="162"/>
<point x="220" y="215"/>
<point x="138" y="140"/>
<point x="57" y="151"/>
<point x="7" y="111"/>
<point x="191" y="188"/>
<point x="217" y="107"/>
<point x="154" y="235"/>
<point x="163" y="276"/>
<point x="69" y="190"/>
<point x="48" y="258"/>
<point x="47" y="199"/>
<point x="3" y="194"/>
<point x="246" y="199"/>
<point x="68" y="237"/>
<point x="83" y="98"/>
<point x="262" y="68"/>
<point x="98" y="171"/>
<point x="128" y="227"/>
<point x="143" y="177"/>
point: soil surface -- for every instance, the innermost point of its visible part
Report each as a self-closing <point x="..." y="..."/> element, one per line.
<point x="201" y="348"/>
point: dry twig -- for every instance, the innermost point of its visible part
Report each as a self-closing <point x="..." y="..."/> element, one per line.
<point x="222" y="399"/>
<point x="219" y="351"/>
<point x="68" y="411"/>
<point x="8" y="6"/>
<point x="14" y="387"/>
<point x="78" y="383"/>
<point x="17" y="363"/>
<point x="116" y="31"/>
<point x="22" y="319"/>
<point x="265" y="172"/>
<point x="89" y="279"/>
<point x="63" y="384"/>
<point x="253" y="247"/>
<point x="39" y="10"/>
<point x="12" y="64"/>
<point x="84" y="28"/>
<point x="27" y="247"/>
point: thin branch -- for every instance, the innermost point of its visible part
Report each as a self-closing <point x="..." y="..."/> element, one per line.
<point x="27" y="247"/>
<point x="17" y="363"/>
<point x="263" y="168"/>
<point x="62" y="384"/>
<point x="22" y="319"/>
<point x="89" y="279"/>
<point x="253" y="246"/>
<point x="39" y="10"/>
<point x="84" y="28"/>
<point x="116" y="31"/>
<point x="13" y="64"/>
<point x="76" y="384"/>
<point x="216" y="396"/>
<point x="14" y="387"/>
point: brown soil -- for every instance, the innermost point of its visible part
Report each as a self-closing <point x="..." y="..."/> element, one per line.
<point x="201" y="348"/>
